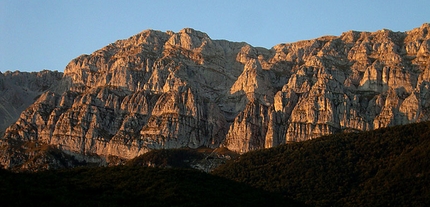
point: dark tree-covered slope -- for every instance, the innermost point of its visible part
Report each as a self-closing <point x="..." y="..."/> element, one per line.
<point x="129" y="186"/>
<point x="386" y="167"/>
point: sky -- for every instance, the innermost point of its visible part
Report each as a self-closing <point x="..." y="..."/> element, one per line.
<point x="48" y="34"/>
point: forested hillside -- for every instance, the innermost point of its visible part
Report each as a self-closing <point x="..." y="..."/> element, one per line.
<point x="129" y="186"/>
<point x="386" y="167"/>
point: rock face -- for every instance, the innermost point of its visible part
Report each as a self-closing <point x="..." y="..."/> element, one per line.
<point x="18" y="90"/>
<point x="171" y="90"/>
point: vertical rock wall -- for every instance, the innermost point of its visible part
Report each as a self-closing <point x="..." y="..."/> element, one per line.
<point x="171" y="90"/>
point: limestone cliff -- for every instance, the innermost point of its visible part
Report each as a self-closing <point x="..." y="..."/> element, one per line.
<point x="18" y="90"/>
<point x="171" y="90"/>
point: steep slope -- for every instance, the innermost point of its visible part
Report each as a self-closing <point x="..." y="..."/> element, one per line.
<point x="385" y="167"/>
<point x="170" y="90"/>
<point x="18" y="90"/>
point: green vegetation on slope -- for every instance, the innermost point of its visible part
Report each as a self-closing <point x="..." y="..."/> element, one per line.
<point x="385" y="167"/>
<point x="129" y="186"/>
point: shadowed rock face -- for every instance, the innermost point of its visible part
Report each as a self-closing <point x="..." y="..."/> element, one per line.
<point x="170" y="90"/>
<point x="18" y="90"/>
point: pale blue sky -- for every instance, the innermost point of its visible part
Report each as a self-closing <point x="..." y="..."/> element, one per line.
<point x="42" y="34"/>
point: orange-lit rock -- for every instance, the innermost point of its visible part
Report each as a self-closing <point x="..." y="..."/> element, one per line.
<point x="171" y="90"/>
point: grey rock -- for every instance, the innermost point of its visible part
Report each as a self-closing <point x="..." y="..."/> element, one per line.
<point x="171" y="90"/>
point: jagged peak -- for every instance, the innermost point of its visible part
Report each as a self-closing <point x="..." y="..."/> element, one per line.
<point x="350" y="36"/>
<point x="194" y="32"/>
<point x="420" y="32"/>
<point x="425" y="26"/>
<point x="189" y="39"/>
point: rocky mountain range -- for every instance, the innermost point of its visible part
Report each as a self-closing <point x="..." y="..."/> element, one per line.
<point x="171" y="90"/>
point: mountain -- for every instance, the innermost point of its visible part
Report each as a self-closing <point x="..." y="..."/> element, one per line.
<point x="384" y="167"/>
<point x="18" y="90"/>
<point x="162" y="90"/>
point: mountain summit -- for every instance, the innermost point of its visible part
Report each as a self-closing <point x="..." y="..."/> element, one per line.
<point x="171" y="90"/>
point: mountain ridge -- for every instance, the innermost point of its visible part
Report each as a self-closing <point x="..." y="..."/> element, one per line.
<point x="171" y="90"/>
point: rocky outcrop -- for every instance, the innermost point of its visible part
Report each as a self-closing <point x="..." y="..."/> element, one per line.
<point x="170" y="90"/>
<point x="18" y="90"/>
